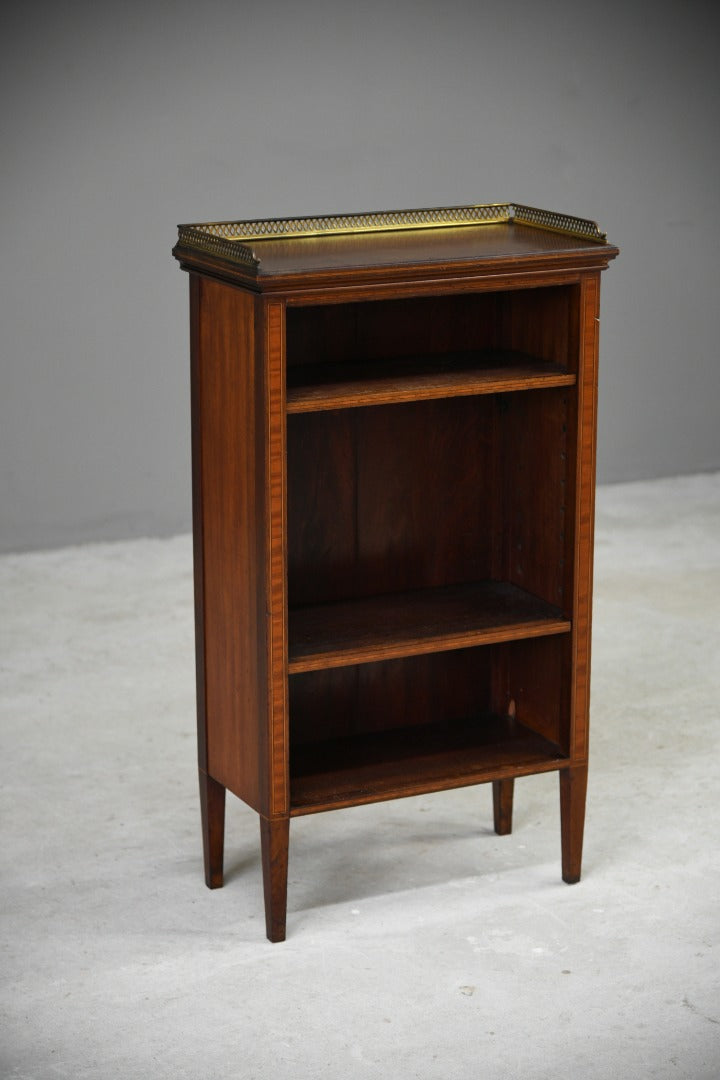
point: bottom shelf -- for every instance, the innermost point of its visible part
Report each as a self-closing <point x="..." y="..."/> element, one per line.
<point x="409" y="761"/>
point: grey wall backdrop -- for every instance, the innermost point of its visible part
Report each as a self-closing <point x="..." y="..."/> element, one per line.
<point x="121" y="120"/>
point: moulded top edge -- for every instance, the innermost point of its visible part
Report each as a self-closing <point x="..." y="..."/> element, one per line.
<point x="230" y="239"/>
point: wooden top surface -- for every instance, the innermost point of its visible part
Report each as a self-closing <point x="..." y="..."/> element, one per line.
<point x="280" y="253"/>
<point x="410" y="248"/>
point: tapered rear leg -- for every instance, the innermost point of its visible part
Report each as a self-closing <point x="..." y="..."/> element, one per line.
<point x="503" y="805"/>
<point x="573" y="791"/>
<point x="212" y="813"/>
<point x="274" y="839"/>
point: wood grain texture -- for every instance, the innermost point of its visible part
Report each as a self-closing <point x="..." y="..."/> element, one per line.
<point x="430" y="688"/>
<point x="325" y="386"/>
<point x="539" y="322"/>
<point x="212" y="815"/>
<point x="404" y="249"/>
<point x="573" y="792"/>
<point x="359" y="523"/>
<point x="396" y="763"/>
<point x="584" y="524"/>
<point x="503" y="791"/>
<point x="423" y="494"/>
<point x="391" y="328"/>
<point x="276" y="566"/>
<point x="393" y="502"/>
<point x="496" y="317"/>
<point x="537" y="687"/>
<point x="198" y="518"/>
<point x="321" y="507"/>
<point x="302" y="266"/>
<point x="232" y="699"/>
<point x="406" y="624"/>
<point x="274" y="841"/>
<point x="533" y="473"/>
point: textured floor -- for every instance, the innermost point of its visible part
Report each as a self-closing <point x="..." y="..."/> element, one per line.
<point x="420" y="945"/>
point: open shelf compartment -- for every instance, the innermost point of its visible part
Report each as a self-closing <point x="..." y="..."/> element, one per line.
<point x="430" y="539"/>
<point x="382" y="765"/>
<point x="386" y="352"/>
<point x="423" y="723"/>
<point x="411" y="623"/>
<point x="315" y="387"/>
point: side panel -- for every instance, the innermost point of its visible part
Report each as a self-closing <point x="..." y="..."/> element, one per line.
<point x="584" y="514"/>
<point x="276" y="563"/>
<point x="228" y="516"/>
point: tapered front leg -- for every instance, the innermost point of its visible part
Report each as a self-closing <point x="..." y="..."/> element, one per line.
<point x="503" y="805"/>
<point x="573" y="791"/>
<point x="274" y="839"/>
<point x="212" y="812"/>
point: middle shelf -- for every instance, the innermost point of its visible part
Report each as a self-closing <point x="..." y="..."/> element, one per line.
<point x="315" y="387"/>
<point x="411" y="623"/>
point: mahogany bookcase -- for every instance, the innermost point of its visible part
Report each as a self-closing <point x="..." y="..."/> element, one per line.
<point x="393" y="433"/>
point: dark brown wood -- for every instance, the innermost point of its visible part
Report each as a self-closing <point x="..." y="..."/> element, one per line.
<point x="198" y="518"/>
<point x="422" y="494"/>
<point x="299" y="267"/>
<point x="359" y="524"/>
<point x="391" y="763"/>
<point x="536" y="686"/>
<point x="274" y="840"/>
<point x="534" y="475"/>
<point x="406" y="249"/>
<point x="539" y="322"/>
<point x="340" y="386"/>
<point x="276" y="562"/>
<point x="406" y="624"/>
<point x="393" y="498"/>
<point x="322" y="532"/>
<point x="212" y="813"/>
<point x="231" y="650"/>
<point x="431" y="688"/>
<point x="584" y="511"/>
<point x="503" y="791"/>
<point x="573" y="790"/>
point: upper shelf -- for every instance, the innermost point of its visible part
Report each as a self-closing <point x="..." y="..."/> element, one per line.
<point x="274" y="252"/>
<point x="317" y="387"/>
